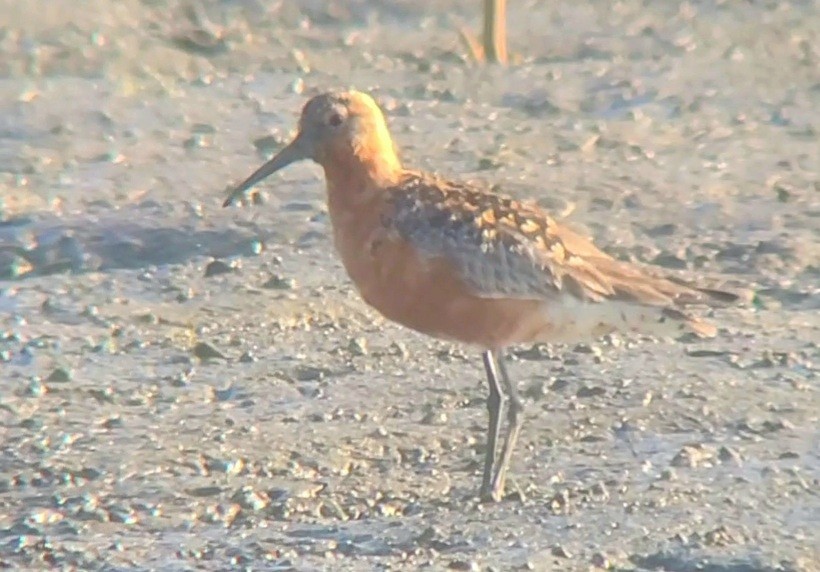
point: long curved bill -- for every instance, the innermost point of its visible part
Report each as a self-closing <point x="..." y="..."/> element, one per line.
<point x="295" y="151"/>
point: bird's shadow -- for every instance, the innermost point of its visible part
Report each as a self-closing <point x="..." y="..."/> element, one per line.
<point x="40" y="245"/>
<point x="674" y="561"/>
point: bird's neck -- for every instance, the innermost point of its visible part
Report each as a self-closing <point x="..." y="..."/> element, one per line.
<point x="356" y="177"/>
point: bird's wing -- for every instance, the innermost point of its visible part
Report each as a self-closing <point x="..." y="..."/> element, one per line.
<point x="503" y="248"/>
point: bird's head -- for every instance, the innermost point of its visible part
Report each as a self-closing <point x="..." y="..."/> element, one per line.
<point x="343" y="131"/>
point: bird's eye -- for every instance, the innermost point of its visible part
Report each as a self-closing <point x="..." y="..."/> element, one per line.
<point x="335" y="119"/>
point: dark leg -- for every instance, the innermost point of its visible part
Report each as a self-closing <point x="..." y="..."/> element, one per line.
<point x="494" y="409"/>
<point x="515" y="419"/>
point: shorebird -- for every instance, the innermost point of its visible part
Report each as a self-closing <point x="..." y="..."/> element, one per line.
<point x="461" y="263"/>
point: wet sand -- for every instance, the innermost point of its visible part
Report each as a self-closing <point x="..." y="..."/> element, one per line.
<point x="189" y="387"/>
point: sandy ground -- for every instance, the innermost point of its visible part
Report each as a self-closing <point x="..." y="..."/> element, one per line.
<point x="186" y="387"/>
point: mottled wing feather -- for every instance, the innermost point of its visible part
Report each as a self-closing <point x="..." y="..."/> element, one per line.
<point x="503" y="248"/>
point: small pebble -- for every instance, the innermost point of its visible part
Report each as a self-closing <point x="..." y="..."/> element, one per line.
<point x="466" y="565"/>
<point x="250" y="499"/>
<point x="587" y="391"/>
<point x="561" y="552"/>
<point x="668" y="474"/>
<point x="218" y="267"/>
<point x="36" y="388"/>
<point x="247" y="357"/>
<point x="277" y="282"/>
<point x="59" y="375"/>
<point x="206" y="351"/>
<point x="357" y="347"/>
<point x="692" y="456"/>
<point x="599" y="560"/>
<point x="729" y="455"/>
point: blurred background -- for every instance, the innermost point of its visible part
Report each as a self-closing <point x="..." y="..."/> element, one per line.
<point x="189" y="387"/>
